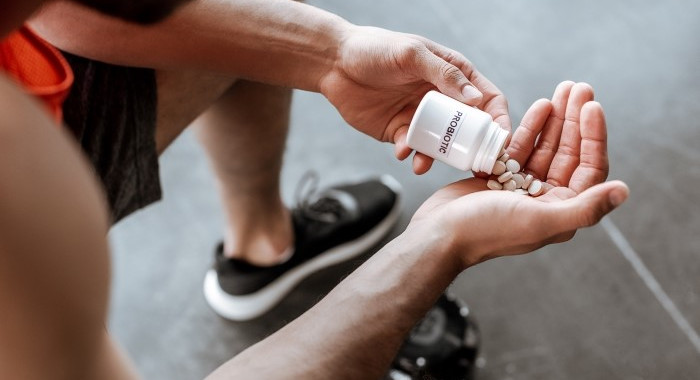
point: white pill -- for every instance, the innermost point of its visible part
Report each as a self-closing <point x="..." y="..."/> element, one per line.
<point x="505" y="177"/>
<point x="528" y="180"/>
<point x="512" y="166"/>
<point x="509" y="185"/>
<point x="519" y="179"/>
<point x="504" y="157"/>
<point x="503" y="150"/>
<point x="521" y="191"/>
<point x="499" y="168"/>
<point x="494" y="185"/>
<point x="535" y="188"/>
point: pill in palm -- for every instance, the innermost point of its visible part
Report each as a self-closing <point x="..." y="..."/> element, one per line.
<point x="509" y="185"/>
<point x="512" y="165"/>
<point x="499" y="168"/>
<point x="505" y="177"/>
<point x="535" y="188"/>
<point x="519" y="180"/>
<point x="494" y="185"/>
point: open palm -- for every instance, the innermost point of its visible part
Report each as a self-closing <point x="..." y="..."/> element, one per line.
<point x="562" y="142"/>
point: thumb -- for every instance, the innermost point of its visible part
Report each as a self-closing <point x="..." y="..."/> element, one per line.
<point x="401" y="148"/>
<point x="448" y="78"/>
<point x="589" y="207"/>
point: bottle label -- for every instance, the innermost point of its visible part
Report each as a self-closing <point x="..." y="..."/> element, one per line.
<point x="451" y="131"/>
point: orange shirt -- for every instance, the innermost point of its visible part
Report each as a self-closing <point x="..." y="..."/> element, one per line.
<point x="38" y="67"/>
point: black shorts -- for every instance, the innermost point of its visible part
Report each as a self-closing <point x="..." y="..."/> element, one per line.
<point x="111" y="110"/>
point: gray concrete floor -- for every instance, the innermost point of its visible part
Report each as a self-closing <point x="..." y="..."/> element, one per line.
<point x="579" y="310"/>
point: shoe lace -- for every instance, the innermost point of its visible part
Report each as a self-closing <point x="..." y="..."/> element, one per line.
<point x="310" y="206"/>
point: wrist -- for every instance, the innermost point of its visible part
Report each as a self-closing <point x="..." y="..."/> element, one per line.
<point x="460" y="247"/>
<point x="338" y="31"/>
<point x="436" y="241"/>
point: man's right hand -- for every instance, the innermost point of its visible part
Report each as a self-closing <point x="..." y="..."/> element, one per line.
<point x="570" y="157"/>
<point x="380" y="76"/>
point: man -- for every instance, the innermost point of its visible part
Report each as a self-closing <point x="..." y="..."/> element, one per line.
<point x="207" y="62"/>
<point x="55" y="286"/>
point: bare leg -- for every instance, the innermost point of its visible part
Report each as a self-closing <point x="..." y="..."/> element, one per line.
<point x="244" y="131"/>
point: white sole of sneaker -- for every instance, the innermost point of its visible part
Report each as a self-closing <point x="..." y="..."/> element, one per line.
<point x="243" y="308"/>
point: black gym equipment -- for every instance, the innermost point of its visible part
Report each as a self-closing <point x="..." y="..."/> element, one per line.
<point x="442" y="346"/>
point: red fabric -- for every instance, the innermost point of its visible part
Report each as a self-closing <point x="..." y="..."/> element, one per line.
<point x="39" y="67"/>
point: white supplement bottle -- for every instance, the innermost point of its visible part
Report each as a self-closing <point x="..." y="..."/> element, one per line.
<point x="455" y="133"/>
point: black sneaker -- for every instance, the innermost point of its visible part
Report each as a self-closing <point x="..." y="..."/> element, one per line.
<point x="334" y="226"/>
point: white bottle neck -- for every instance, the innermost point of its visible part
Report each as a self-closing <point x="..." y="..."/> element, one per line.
<point x="490" y="147"/>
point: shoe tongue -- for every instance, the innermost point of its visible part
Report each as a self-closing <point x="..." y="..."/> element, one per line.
<point x="325" y="210"/>
<point x="346" y="202"/>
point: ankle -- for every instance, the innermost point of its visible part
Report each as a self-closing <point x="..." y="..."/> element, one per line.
<point x="263" y="244"/>
<point x="258" y="253"/>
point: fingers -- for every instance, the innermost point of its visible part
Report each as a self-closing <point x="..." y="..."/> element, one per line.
<point x="593" y="166"/>
<point x="401" y="148"/>
<point x="421" y="163"/>
<point x="583" y="210"/>
<point x="493" y="101"/>
<point x="448" y="78"/>
<point x="524" y="137"/>
<point x="548" y="141"/>
<point x="567" y="156"/>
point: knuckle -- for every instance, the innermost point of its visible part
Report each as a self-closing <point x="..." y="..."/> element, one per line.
<point x="456" y="58"/>
<point x="450" y="56"/>
<point x="450" y="72"/>
<point x="517" y="146"/>
<point x="546" y="145"/>
<point x="528" y="125"/>
<point x="557" y="117"/>
<point x="409" y="53"/>
<point x="566" y="149"/>
<point x="414" y="48"/>
<point x="572" y="118"/>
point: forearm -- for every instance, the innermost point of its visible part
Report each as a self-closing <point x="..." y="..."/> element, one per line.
<point x="274" y="41"/>
<point x="356" y="330"/>
<point x="14" y="14"/>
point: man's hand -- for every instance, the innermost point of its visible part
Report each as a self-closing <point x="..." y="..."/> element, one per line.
<point x="381" y="76"/>
<point x="562" y="142"/>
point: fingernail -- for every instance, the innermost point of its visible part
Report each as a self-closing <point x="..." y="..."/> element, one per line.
<point x="470" y="92"/>
<point x="618" y="196"/>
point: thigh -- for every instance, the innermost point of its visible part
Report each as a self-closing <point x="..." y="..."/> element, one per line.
<point x="111" y="111"/>
<point x="123" y="117"/>
<point x="182" y="97"/>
